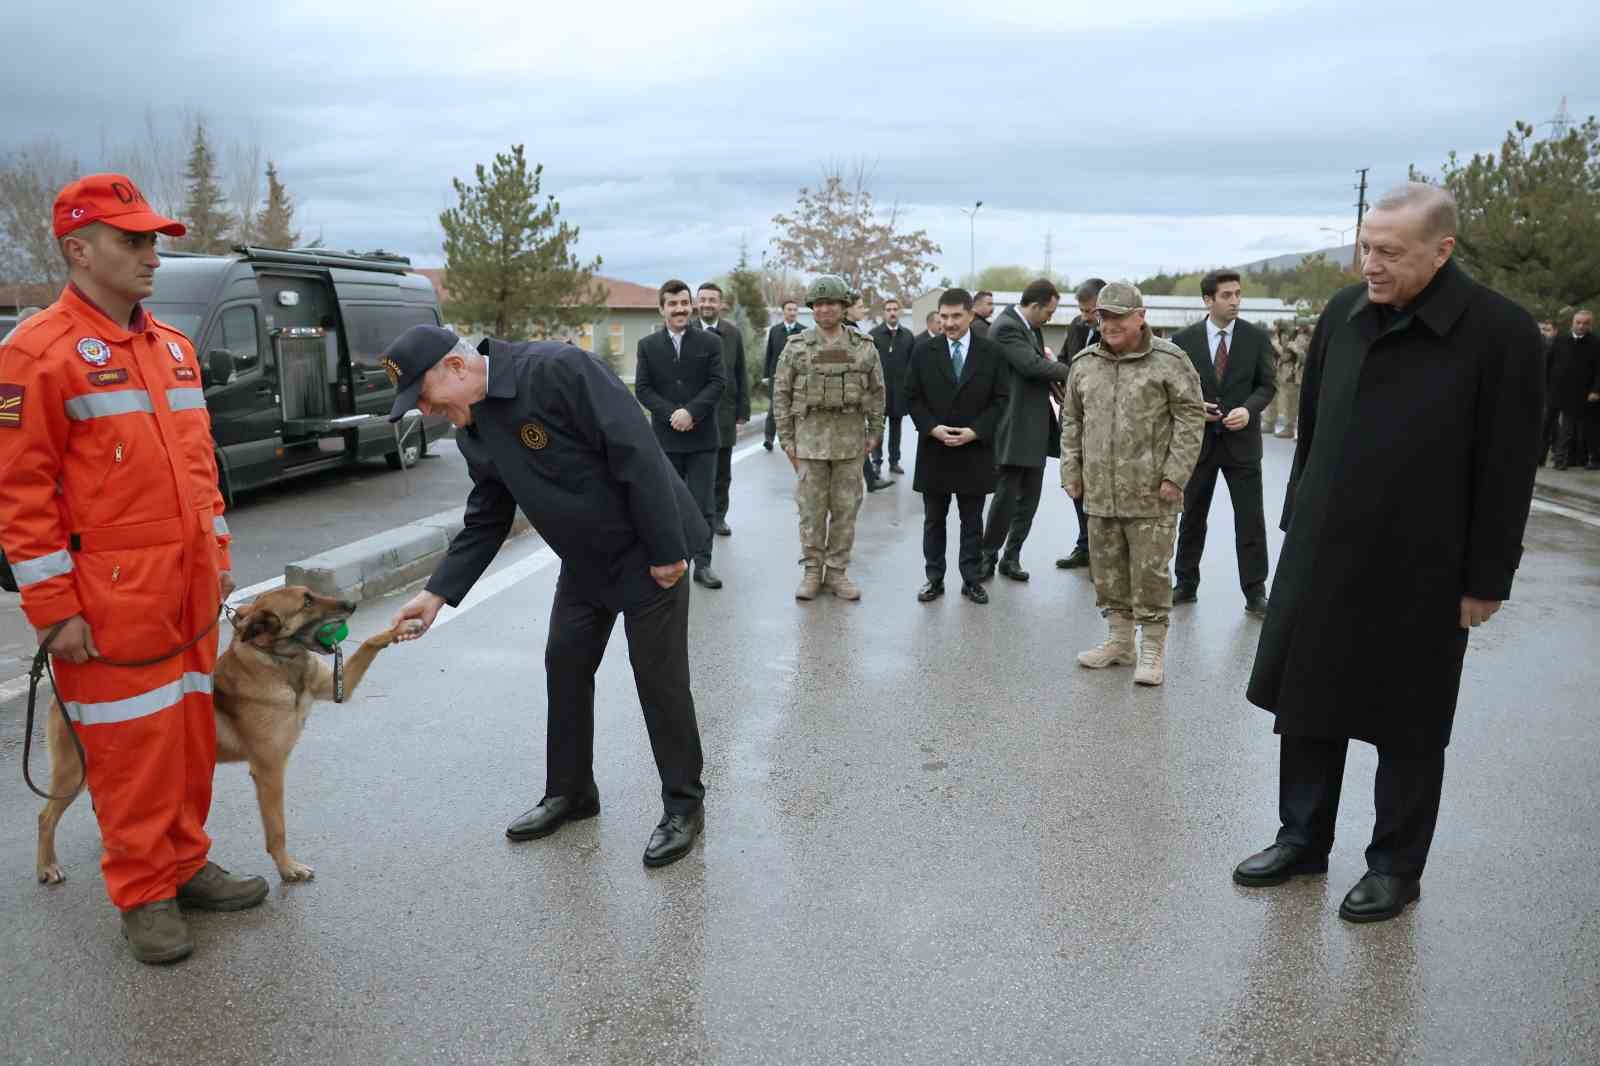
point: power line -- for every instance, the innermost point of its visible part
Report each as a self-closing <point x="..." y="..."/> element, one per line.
<point x="1361" y="214"/>
<point x="1561" y="124"/>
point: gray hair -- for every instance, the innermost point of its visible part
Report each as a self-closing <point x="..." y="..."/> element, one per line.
<point x="1437" y="207"/>
<point x="465" y="350"/>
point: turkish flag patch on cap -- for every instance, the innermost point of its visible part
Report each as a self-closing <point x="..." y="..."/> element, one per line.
<point x="10" y="406"/>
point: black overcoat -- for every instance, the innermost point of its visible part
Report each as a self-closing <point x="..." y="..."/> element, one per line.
<point x="894" y="352"/>
<point x="1412" y="479"/>
<point x="935" y="398"/>
<point x="1250" y="382"/>
<point x="734" y="405"/>
<point x="1029" y="432"/>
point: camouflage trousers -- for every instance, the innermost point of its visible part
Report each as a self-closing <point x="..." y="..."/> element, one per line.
<point x="1131" y="561"/>
<point x="1285" y="404"/>
<point x="828" y="494"/>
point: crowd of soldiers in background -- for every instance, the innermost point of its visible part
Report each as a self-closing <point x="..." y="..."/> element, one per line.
<point x="1572" y="393"/>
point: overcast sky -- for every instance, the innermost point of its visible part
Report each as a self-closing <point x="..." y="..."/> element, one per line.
<point x="1165" y="134"/>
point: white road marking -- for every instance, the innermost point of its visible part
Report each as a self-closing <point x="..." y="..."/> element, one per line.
<point x="1567" y="512"/>
<point x="18" y="686"/>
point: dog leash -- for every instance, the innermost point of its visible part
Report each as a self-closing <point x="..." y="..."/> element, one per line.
<point x="41" y="667"/>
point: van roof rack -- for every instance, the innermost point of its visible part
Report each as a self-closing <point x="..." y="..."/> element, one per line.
<point x="385" y="261"/>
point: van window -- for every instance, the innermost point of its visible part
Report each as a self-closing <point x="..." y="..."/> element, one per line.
<point x="370" y="328"/>
<point x="240" y="337"/>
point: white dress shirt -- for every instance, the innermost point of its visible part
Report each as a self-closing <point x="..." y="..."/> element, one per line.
<point x="1214" y="333"/>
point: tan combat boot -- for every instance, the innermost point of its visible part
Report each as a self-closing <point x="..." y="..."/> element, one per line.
<point x="840" y="585"/>
<point x="157" y="932"/>
<point x="1152" y="655"/>
<point x="810" y="583"/>
<point x="1115" y="650"/>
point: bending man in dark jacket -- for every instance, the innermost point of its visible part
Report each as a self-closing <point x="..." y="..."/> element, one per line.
<point x="548" y="428"/>
<point x="1029" y="432"/>
<point x="1412" y="479"/>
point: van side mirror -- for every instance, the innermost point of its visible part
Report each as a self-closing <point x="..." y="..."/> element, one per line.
<point x="219" y="366"/>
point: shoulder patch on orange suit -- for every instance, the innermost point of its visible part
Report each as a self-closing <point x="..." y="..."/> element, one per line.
<point x="10" y="406"/>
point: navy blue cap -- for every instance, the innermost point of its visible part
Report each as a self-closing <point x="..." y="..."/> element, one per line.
<point x="412" y="355"/>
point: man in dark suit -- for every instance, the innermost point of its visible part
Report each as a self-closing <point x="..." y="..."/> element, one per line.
<point x="1081" y="332"/>
<point x="982" y="311"/>
<point x="1237" y="379"/>
<point x="893" y="342"/>
<point x="548" y="428"/>
<point x="1575" y="392"/>
<point x="680" y="378"/>
<point x="777" y="337"/>
<point x="956" y="393"/>
<point x="930" y="328"/>
<point x="1029" y="431"/>
<point x="734" y="409"/>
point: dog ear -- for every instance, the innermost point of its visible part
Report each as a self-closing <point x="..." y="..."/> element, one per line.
<point x="260" y="623"/>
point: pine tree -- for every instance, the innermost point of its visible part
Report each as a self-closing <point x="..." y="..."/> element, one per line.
<point x="205" y="212"/>
<point x="276" y="225"/>
<point x="508" y="259"/>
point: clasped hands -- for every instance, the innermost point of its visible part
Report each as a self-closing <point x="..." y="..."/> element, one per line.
<point x="1237" y="418"/>
<point x="951" y="437"/>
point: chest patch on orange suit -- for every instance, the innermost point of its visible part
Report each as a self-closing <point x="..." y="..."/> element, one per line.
<point x="107" y="377"/>
<point x="10" y="406"/>
<point x="184" y="373"/>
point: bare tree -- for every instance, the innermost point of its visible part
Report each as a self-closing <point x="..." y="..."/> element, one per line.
<point x="837" y="229"/>
<point x="244" y="186"/>
<point x="30" y="178"/>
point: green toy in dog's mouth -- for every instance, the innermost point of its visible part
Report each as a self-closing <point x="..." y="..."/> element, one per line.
<point x="331" y="634"/>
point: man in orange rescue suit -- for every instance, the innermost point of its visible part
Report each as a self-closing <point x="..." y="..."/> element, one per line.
<point x="110" y="515"/>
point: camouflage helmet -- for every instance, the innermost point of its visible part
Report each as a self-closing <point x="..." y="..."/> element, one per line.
<point x="828" y="287"/>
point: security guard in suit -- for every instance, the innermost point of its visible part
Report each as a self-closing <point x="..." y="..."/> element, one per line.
<point x="546" y="427"/>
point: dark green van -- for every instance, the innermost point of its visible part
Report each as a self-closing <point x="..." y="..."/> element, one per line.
<point x="289" y="345"/>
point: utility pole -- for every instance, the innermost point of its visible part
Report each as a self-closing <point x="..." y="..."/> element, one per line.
<point x="972" y="241"/>
<point x="1361" y="213"/>
<point x="1049" y="251"/>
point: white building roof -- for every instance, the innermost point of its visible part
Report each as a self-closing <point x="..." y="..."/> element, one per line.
<point x="1171" y="312"/>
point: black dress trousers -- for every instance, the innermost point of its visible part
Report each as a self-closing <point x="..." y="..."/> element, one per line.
<point x="724" y="482"/>
<point x="1407" y="790"/>
<point x="699" y="473"/>
<point x="936" y="510"/>
<point x="1249" y="520"/>
<point x="658" y="648"/>
<point x="1016" y="501"/>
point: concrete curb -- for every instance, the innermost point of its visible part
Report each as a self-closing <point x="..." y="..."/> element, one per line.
<point x="377" y="565"/>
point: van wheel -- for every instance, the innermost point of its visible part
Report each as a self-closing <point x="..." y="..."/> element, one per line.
<point x="414" y="451"/>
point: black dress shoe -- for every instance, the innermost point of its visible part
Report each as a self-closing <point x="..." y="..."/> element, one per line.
<point x="930" y="592"/>
<point x="1184" y="594"/>
<point x="1379" y="897"/>
<point x="895" y="468"/>
<point x="673" y="837"/>
<point x="767" y="444"/>
<point x="1078" y="558"/>
<point x="551" y="813"/>
<point x="1012" y="569"/>
<point x="704" y="575"/>
<point x="874" y="483"/>
<point x="986" y="566"/>
<point x="1277" y="864"/>
<point x="722" y="529"/>
<point x="975" y="592"/>
<point x="1256" y="603"/>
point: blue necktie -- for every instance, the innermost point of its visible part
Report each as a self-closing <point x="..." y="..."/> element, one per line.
<point x="955" y="358"/>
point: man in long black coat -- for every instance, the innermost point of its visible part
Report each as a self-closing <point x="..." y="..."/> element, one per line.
<point x="1029" y="432"/>
<point x="1412" y="480"/>
<point x="1238" y="380"/>
<point x="1575" y="378"/>
<point x="733" y="410"/>
<point x="956" y="393"/>
<point x="1081" y="332"/>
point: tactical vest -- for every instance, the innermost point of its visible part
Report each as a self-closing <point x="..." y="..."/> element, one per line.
<point x="832" y="379"/>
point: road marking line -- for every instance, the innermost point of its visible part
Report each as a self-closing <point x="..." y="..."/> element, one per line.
<point x="250" y="592"/>
<point x="19" y="685"/>
<point x="1567" y="512"/>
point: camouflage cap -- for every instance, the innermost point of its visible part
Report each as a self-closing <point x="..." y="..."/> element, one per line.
<point x="1119" y="297"/>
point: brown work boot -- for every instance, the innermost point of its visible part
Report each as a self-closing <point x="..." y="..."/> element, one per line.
<point x="156" y="932"/>
<point x="215" y="889"/>
<point x="810" y="583"/>
<point x="1152" y="655"/>
<point x="840" y="585"/>
<point x="1115" y="650"/>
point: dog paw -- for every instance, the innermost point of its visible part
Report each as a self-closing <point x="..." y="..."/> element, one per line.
<point x="51" y="874"/>
<point x="291" y="871"/>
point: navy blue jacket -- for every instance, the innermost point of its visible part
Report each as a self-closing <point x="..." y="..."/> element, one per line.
<point x="694" y="379"/>
<point x="560" y="436"/>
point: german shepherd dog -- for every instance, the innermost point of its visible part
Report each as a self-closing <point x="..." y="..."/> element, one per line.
<point x="263" y="687"/>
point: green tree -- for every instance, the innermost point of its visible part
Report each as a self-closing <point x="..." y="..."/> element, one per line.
<point x="205" y="210"/>
<point x="1530" y="216"/>
<point x="1312" y="283"/>
<point x="1009" y="278"/>
<point x="276" y="224"/>
<point x="509" y="258"/>
<point x="750" y="312"/>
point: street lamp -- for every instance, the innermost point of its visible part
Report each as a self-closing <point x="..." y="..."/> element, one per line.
<point x="972" y="240"/>
<point x="1339" y="232"/>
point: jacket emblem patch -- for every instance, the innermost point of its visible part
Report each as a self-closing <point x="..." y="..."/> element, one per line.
<point x="94" y="351"/>
<point x="176" y="349"/>
<point x="107" y="377"/>
<point x="10" y="406"/>
<point x="534" y="436"/>
<point x="184" y="373"/>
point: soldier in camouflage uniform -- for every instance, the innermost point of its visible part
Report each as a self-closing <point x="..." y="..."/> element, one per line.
<point x="1289" y="371"/>
<point x="828" y="399"/>
<point x="1131" y="429"/>
<point x="1269" y="416"/>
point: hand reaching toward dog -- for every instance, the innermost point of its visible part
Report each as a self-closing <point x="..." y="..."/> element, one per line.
<point x="419" y="611"/>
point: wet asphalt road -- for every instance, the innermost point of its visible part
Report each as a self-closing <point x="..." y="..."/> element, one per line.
<point x="930" y="838"/>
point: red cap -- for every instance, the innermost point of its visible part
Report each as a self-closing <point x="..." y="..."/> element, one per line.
<point x="113" y="199"/>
